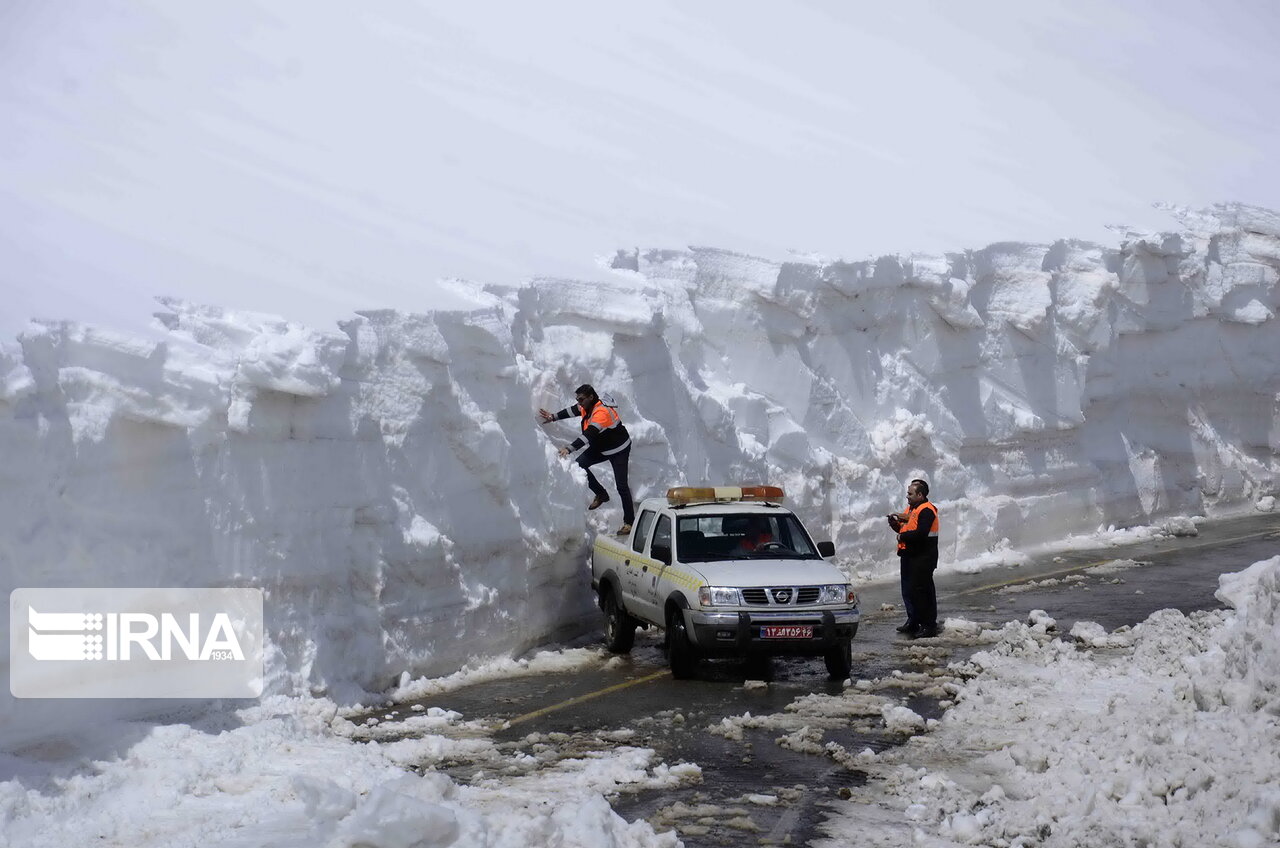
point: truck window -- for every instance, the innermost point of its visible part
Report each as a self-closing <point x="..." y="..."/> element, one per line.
<point x="742" y="536"/>
<point x="662" y="537"/>
<point x="642" y="531"/>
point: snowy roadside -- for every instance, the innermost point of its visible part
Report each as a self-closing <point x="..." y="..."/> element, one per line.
<point x="297" y="773"/>
<point x="1170" y="735"/>
<point x="1163" y="734"/>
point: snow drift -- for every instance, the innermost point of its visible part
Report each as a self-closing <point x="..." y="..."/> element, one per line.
<point x="389" y="489"/>
<point x="1167" y="738"/>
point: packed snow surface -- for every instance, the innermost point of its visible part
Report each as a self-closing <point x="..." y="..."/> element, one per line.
<point x="1165" y="738"/>
<point x="387" y="486"/>
<point x="1169" y="738"/>
<point x="292" y="775"/>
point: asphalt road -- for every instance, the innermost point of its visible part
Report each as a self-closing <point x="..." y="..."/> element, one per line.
<point x="638" y="703"/>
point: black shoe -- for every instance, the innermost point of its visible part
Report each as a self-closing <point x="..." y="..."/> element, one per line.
<point x="598" y="502"/>
<point x="907" y="627"/>
<point x="925" y="632"/>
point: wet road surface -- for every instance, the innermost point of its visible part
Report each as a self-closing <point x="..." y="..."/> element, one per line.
<point x="771" y="787"/>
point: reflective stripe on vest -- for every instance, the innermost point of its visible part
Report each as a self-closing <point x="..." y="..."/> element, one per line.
<point x="603" y="417"/>
<point x="912" y="517"/>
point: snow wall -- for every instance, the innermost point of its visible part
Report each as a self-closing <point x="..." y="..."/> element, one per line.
<point x="389" y="489"/>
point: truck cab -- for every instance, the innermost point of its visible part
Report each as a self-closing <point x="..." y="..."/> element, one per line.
<point x="727" y="571"/>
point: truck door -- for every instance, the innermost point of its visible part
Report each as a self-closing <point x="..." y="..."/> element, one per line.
<point x="633" y="594"/>
<point x="650" y="576"/>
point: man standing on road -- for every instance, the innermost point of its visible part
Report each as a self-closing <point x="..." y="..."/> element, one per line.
<point x="605" y="437"/>
<point x="917" y="530"/>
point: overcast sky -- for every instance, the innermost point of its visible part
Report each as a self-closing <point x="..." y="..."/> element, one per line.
<point x="313" y="158"/>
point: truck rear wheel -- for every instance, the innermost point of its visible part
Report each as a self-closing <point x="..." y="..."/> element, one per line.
<point x="619" y="626"/>
<point x="680" y="651"/>
<point x="839" y="659"/>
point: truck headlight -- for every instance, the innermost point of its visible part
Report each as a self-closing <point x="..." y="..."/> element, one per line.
<point x="718" y="596"/>
<point x="840" y="593"/>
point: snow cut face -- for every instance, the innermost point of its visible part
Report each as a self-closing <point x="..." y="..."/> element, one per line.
<point x="388" y="487"/>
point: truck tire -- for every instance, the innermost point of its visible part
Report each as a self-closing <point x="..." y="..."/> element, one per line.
<point x="619" y="626"/>
<point x="839" y="659"/>
<point x="680" y="651"/>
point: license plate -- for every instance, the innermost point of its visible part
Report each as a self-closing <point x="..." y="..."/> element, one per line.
<point x="786" y="631"/>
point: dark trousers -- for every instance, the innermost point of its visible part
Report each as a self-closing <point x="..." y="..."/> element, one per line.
<point x="619" y="460"/>
<point x="908" y="602"/>
<point x="918" y="590"/>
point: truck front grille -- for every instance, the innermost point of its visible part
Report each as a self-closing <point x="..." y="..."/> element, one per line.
<point x="780" y="595"/>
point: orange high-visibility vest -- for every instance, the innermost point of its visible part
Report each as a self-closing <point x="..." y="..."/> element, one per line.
<point x="912" y="517"/>
<point x="604" y="417"/>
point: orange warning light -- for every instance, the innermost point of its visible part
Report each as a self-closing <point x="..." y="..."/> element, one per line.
<point x="684" y="495"/>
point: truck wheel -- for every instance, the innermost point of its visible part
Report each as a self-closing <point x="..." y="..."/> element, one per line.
<point x="839" y="659"/>
<point x="619" y="626"/>
<point x="681" y="652"/>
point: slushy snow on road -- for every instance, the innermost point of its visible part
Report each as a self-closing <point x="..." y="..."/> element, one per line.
<point x="1171" y="737"/>
<point x="294" y="772"/>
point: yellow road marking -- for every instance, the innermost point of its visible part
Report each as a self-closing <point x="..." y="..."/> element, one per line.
<point x="587" y="697"/>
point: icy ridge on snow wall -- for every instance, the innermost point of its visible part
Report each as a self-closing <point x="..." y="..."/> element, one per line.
<point x="390" y="490"/>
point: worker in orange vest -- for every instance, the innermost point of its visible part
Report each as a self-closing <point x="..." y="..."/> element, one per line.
<point x="756" y="534"/>
<point x="605" y="438"/>
<point x="917" y="530"/>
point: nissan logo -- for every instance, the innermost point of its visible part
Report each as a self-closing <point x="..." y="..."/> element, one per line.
<point x="782" y="595"/>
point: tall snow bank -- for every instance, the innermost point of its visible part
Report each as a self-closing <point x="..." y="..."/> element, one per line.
<point x="388" y="487"/>
<point x="384" y="486"/>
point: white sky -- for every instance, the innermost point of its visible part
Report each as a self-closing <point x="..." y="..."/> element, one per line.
<point x="311" y="159"/>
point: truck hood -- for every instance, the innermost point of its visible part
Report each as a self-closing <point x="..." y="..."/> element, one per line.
<point x="769" y="572"/>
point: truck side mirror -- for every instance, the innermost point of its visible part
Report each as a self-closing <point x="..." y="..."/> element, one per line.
<point x="661" y="552"/>
<point x="826" y="550"/>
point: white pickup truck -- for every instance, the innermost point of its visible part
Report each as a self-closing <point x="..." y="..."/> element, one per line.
<point x="727" y="571"/>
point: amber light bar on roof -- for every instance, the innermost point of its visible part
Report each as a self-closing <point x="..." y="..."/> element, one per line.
<point x="681" y="495"/>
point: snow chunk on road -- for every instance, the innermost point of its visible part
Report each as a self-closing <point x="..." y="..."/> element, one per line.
<point x="902" y="720"/>
<point x="1041" y="621"/>
<point x="1180" y="525"/>
<point x="1094" y="635"/>
<point x="399" y="814"/>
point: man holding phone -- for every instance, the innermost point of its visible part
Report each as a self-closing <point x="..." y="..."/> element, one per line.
<point x="917" y="530"/>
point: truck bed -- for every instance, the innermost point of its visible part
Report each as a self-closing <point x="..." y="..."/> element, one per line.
<point x="608" y="550"/>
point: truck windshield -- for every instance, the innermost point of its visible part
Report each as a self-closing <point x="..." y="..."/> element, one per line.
<point x="702" y="538"/>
